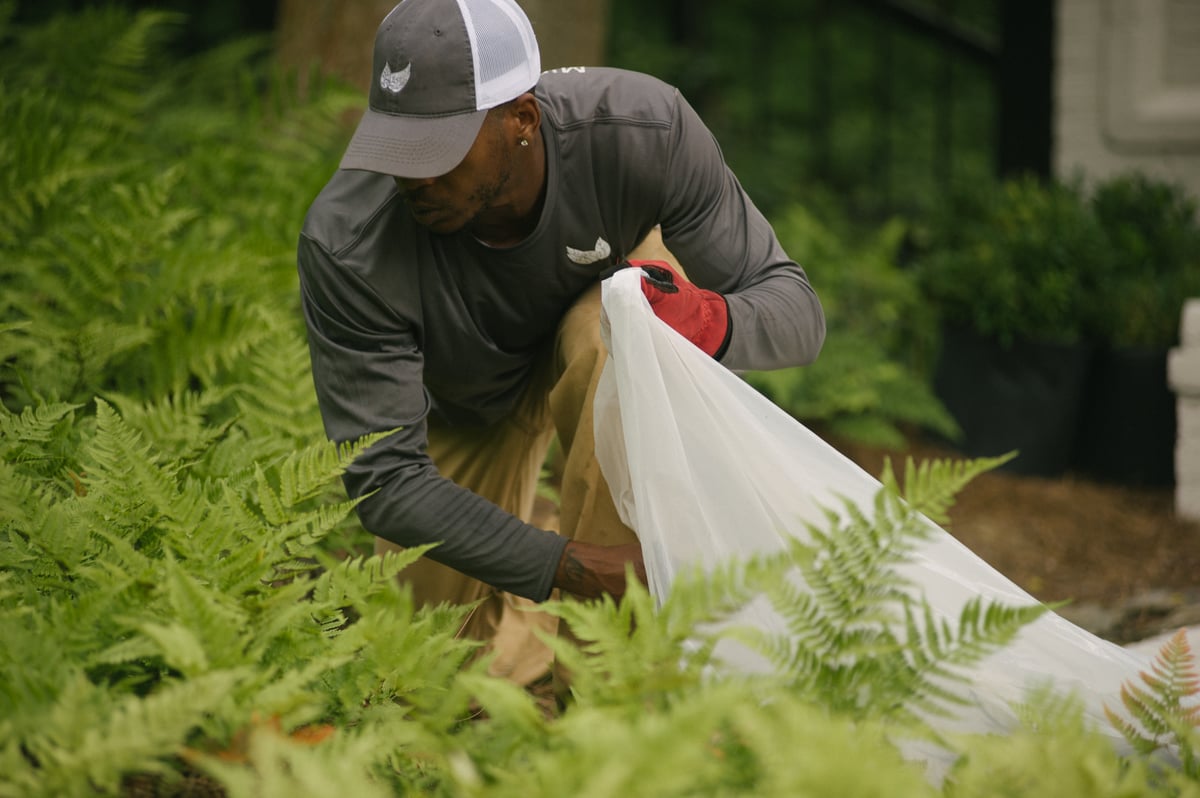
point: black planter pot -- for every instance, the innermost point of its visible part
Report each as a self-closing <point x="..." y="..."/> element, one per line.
<point x="1024" y="396"/>
<point x="1128" y="420"/>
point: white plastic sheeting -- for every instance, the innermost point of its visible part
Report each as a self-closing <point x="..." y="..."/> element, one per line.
<point x="703" y="467"/>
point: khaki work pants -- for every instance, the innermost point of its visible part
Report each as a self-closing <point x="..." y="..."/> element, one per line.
<point x="503" y="463"/>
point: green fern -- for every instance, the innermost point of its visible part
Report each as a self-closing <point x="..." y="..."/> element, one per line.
<point x="859" y="635"/>
<point x="275" y="397"/>
<point x="1053" y="753"/>
<point x="58" y="141"/>
<point x="33" y="458"/>
<point x="638" y="654"/>
<point x="273" y="763"/>
<point x="931" y="487"/>
<point x="156" y="214"/>
<point x="172" y="533"/>
<point x="89" y="735"/>
<point x="149" y="580"/>
<point x="186" y="425"/>
<point x="721" y="738"/>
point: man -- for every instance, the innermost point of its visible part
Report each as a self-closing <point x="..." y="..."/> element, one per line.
<point x="450" y="278"/>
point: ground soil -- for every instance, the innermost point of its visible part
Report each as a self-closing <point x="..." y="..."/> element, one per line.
<point x="1127" y="563"/>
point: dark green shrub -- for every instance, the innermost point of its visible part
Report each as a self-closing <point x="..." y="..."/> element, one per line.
<point x="1018" y="259"/>
<point x="1058" y="262"/>
<point x="1154" y="239"/>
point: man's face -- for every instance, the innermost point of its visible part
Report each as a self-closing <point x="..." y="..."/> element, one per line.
<point x="453" y="201"/>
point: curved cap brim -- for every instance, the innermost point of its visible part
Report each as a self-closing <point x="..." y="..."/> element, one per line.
<point x="410" y="146"/>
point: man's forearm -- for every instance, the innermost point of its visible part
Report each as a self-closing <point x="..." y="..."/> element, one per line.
<point x="586" y="570"/>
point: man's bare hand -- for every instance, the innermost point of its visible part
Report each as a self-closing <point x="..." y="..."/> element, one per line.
<point x="589" y="571"/>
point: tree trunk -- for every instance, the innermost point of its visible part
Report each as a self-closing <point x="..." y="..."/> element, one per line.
<point x="334" y="36"/>
<point x="337" y="36"/>
<point x="570" y="34"/>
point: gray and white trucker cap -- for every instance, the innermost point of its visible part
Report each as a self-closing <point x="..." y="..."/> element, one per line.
<point x="439" y="65"/>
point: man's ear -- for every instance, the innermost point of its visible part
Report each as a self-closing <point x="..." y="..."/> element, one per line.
<point x="526" y="115"/>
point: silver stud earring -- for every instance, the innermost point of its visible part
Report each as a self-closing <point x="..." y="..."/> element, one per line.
<point x="524" y="142"/>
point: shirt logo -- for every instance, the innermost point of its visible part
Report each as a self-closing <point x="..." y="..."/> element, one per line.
<point x="585" y="256"/>
<point x="394" y="81"/>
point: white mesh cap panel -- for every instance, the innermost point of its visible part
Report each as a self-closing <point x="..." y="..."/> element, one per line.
<point x="507" y="61"/>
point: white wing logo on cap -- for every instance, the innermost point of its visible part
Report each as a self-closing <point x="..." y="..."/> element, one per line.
<point x="394" y="81"/>
<point x="585" y="256"/>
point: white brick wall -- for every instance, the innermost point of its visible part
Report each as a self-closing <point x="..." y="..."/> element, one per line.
<point x="1183" y="370"/>
<point x="1094" y="37"/>
<point x="1183" y="373"/>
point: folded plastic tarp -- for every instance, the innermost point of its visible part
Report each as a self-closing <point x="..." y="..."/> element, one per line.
<point x="704" y="468"/>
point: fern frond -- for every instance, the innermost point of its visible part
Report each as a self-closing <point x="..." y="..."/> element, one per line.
<point x="239" y="549"/>
<point x="1176" y="675"/>
<point x="307" y="529"/>
<point x="54" y="547"/>
<point x="930" y="488"/>
<point x="34" y="424"/>
<point x="270" y="762"/>
<point x="126" y="475"/>
<point x="1161" y="714"/>
<point x="62" y="136"/>
<point x="401" y="655"/>
<point x="275" y="395"/>
<point x="939" y="655"/>
<point x="180" y="425"/>
<point x="181" y="648"/>
<point x="33" y="456"/>
<point x="1055" y="752"/>
<point x="854" y="633"/>
<point x="635" y="652"/>
<point x="34" y="448"/>
<point x="293" y="693"/>
<point x="352" y="582"/>
<point x="216" y="623"/>
<point x="90" y="738"/>
<point x="306" y="473"/>
<point x="621" y="650"/>
<point x="195" y="335"/>
<point x="509" y="706"/>
<point x="981" y="633"/>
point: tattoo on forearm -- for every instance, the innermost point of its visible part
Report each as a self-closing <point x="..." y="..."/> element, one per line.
<point x="573" y="569"/>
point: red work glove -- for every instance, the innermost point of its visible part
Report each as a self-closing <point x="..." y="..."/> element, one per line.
<point x="699" y="315"/>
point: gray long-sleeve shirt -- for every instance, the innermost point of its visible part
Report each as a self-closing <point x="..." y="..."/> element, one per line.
<point x="403" y="322"/>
